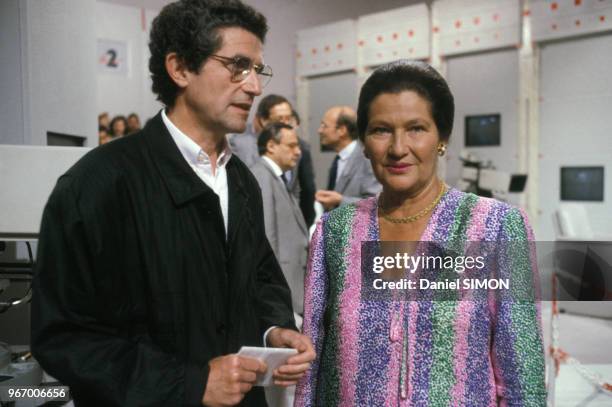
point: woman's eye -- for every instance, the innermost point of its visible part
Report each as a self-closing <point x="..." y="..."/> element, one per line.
<point x="417" y="129"/>
<point x="379" y="131"/>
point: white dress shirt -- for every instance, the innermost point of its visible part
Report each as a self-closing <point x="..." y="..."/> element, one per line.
<point x="199" y="161"/>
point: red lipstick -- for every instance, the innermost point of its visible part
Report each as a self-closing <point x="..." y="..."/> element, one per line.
<point x="399" y="168"/>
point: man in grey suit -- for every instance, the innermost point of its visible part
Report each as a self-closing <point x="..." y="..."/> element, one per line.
<point x="284" y="224"/>
<point x="350" y="176"/>
<point x="276" y="108"/>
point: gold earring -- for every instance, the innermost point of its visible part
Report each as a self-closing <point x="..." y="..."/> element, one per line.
<point x="441" y="149"/>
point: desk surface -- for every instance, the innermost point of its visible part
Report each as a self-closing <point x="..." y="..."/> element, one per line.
<point x="572" y="390"/>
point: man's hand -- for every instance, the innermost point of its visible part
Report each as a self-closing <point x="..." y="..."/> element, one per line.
<point x="230" y="378"/>
<point x="289" y="373"/>
<point x="329" y="199"/>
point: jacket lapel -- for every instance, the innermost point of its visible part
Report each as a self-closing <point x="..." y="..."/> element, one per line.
<point x="238" y="198"/>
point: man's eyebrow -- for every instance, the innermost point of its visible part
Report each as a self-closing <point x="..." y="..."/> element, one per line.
<point x="238" y="55"/>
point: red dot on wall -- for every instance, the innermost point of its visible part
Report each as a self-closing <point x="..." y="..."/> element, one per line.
<point x="458" y="24"/>
<point x="327" y="48"/>
<point x="577" y="2"/>
<point x="476" y="20"/>
<point x="395" y="36"/>
<point x="495" y="17"/>
<point x="577" y="22"/>
<point x="476" y="40"/>
<point x="554" y="26"/>
<point x="379" y="38"/>
<point x="527" y="13"/>
<point x="554" y="5"/>
<point x="436" y="29"/>
<point x="299" y="55"/>
<point x="457" y="43"/>
<point x="361" y="43"/>
<point x="314" y="51"/>
<point x="602" y="18"/>
<point x="411" y="33"/>
<point x="339" y="45"/>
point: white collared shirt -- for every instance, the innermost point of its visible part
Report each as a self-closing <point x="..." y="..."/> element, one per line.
<point x="199" y="161"/>
<point x="277" y="170"/>
<point x="344" y="154"/>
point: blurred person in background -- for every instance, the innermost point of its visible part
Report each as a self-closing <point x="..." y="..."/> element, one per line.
<point x="350" y="176"/>
<point x="104" y="120"/>
<point x="103" y="136"/>
<point x="118" y="126"/>
<point x="133" y="123"/>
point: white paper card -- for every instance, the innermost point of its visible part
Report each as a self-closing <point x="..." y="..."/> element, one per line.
<point x="273" y="357"/>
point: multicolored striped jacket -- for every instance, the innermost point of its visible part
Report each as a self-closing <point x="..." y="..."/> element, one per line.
<point x="458" y="353"/>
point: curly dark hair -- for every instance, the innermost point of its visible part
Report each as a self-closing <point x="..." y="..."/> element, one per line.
<point x="403" y="75"/>
<point x="191" y="29"/>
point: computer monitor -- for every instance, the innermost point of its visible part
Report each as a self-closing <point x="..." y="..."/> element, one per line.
<point x="483" y="130"/>
<point x="66" y="140"/>
<point x="517" y="183"/>
<point x="582" y="184"/>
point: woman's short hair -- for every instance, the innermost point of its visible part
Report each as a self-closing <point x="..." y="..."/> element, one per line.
<point x="404" y="75"/>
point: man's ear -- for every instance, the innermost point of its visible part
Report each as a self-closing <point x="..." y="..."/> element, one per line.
<point x="343" y="131"/>
<point x="270" y="146"/>
<point x="176" y="70"/>
<point x="258" y="124"/>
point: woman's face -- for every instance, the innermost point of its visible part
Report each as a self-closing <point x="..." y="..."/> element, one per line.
<point x="119" y="127"/>
<point x="401" y="141"/>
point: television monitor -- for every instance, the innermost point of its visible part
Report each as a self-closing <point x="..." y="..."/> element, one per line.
<point x="483" y="130"/>
<point x="582" y="183"/>
<point x="517" y="182"/>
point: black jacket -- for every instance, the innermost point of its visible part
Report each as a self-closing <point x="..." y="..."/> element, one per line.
<point x="136" y="286"/>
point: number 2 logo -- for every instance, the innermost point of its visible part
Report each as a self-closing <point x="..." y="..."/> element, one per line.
<point x="112" y="60"/>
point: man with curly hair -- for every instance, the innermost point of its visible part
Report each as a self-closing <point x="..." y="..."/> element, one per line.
<point x="153" y="265"/>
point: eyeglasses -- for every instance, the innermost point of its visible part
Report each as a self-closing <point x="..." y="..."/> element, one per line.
<point x="241" y="67"/>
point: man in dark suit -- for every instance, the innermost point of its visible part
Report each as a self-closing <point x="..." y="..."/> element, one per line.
<point x="153" y="266"/>
<point x="285" y="226"/>
<point x="350" y="176"/>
